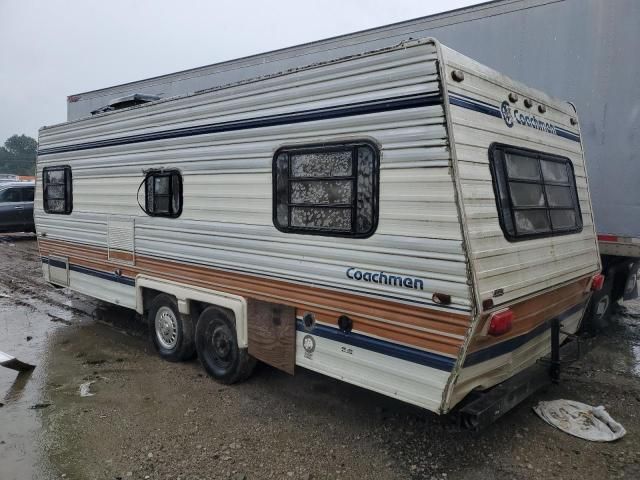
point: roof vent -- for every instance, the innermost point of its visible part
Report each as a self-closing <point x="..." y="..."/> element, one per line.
<point x="126" y="101"/>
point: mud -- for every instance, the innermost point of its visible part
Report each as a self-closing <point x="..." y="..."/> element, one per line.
<point x="141" y="417"/>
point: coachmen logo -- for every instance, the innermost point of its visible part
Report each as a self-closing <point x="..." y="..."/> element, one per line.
<point x="385" y="278"/>
<point x="526" y="119"/>
<point x="505" y="110"/>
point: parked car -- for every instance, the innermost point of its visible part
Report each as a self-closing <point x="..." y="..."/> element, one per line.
<point x="7" y="177"/>
<point x="16" y="207"/>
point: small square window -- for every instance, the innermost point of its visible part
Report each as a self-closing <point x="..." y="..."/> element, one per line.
<point x="57" y="192"/>
<point x="163" y="193"/>
<point x="327" y="190"/>
<point x="535" y="192"/>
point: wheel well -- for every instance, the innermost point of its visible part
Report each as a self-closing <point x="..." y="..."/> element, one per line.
<point x="196" y="308"/>
<point x="148" y="294"/>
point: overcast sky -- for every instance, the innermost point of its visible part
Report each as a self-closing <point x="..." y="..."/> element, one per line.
<point x="51" y="49"/>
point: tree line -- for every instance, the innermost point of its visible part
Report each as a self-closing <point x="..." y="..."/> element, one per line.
<point x="18" y="155"/>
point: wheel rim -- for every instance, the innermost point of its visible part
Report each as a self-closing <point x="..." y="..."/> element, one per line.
<point x="221" y="347"/>
<point x="166" y="325"/>
<point x="602" y="306"/>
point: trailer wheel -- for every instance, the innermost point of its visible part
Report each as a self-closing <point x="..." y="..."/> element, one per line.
<point x="217" y="346"/>
<point x="600" y="308"/>
<point x="171" y="332"/>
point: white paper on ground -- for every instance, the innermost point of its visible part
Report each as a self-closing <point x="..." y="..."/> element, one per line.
<point x="85" y="389"/>
<point x="580" y="420"/>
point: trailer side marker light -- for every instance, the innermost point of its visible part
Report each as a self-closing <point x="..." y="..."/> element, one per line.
<point x="500" y="323"/>
<point x="441" y="298"/>
<point x="487" y="304"/>
<point x="597" y="282"/>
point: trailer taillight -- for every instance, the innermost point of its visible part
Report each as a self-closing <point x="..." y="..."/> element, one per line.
<point x="597" y="282"/>
<point x="607" y="238"/>
<point x="500" y="322"/>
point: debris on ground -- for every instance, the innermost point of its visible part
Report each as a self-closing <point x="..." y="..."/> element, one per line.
<point x="13" y="363"/>
<point x="85" y="389"/>
<point x="580" y="420"/>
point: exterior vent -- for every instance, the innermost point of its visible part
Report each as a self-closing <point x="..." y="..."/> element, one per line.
<point x="126" y="101"/>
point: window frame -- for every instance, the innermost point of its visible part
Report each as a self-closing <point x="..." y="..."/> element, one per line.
<point x="324" y="147"/>
<point x="500" y="176"/>
<point x="68" y="191"/>
<point x="164" y="173"/>
<point x="13" y="187"/>
<point x="23" y="194"/>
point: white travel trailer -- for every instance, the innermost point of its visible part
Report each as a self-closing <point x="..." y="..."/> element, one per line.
<point x="406" y="220"/>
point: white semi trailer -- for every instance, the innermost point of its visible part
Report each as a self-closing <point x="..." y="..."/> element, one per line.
<point x="572" y="49"/>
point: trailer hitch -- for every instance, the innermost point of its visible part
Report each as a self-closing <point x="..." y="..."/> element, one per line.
<point x="485" y="407"/>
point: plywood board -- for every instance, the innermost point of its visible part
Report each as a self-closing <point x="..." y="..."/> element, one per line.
<point x="272" y="334"/>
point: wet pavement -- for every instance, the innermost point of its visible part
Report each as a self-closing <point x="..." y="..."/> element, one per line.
<point x="141" y="417"/>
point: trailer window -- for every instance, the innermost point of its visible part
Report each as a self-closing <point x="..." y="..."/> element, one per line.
<point x="535" y="192"/>
<point x="163" y="193"/>
<point x="326" y="190"/>
<point x="57" y="192"/>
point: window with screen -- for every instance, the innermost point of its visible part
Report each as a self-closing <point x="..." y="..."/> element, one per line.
<point x="57" y="192"/>
<point x="535" y="193"/>
<point x="163" y="193"/>
<point x="327" y="190"/>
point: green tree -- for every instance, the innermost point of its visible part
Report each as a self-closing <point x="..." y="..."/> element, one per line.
<point x="18" y="155"/>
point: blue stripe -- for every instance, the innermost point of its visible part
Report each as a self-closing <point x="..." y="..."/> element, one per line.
<point x="383" y="347"/>
<point x="561" y="132"/>
<point x="477" y="107"/>
<point x="90" y="271"/>
<point x="54" y="263"/>
<point x="325" y="113"/>
<point x="488" y="109"/>
<point x="516" y="342"/>
<point x="473" y="100"/>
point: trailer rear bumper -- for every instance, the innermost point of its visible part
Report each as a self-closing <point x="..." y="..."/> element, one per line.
<point x="481" y="408"/>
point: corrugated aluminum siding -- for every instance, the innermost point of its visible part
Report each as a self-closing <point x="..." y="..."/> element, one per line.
<point x="523" y="267"/>
<point x="227" y="215"/>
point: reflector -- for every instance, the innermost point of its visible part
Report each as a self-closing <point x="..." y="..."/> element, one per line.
<point x="597" y="282"/>
<point x="500" y="323"/>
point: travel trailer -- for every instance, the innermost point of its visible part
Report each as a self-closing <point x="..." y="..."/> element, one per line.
<point x="406" y="220"/>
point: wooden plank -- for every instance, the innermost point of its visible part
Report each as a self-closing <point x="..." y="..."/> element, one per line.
<point x="272" y="333"/>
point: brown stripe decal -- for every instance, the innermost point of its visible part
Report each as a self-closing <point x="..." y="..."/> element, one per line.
<point x="421" y="327"/>
<point x="529" y="314"/>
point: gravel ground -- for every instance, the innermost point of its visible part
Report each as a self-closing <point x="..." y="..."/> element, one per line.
<point x="146" y="418"/>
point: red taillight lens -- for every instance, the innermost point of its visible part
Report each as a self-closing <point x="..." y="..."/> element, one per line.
<point x="608" y="238"/>
<point x="597" y="282"/>
<point x="500" y="322"/>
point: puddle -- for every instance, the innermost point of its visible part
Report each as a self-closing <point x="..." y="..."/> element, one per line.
<point x="30" y="315"/>
<point x="21" y="428"/>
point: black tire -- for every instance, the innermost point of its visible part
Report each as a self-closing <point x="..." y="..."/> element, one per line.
<point x="217" y="346"/>
<point x="171" y="332"/>
<point x="601" y="306"/>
